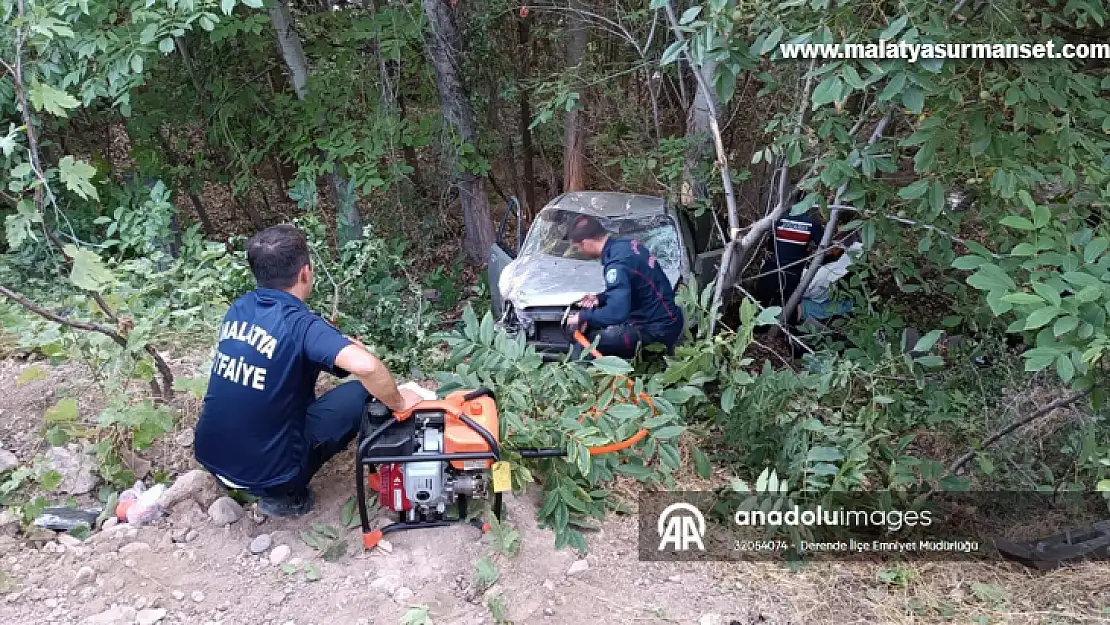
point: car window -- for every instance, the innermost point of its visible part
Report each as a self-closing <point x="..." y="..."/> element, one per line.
<point x="657" y="233"/>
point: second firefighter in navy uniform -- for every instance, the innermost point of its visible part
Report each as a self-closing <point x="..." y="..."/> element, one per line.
<point x="794" y="238"/>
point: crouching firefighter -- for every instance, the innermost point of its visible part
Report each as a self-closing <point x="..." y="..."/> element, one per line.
<point x="638" y="305"/>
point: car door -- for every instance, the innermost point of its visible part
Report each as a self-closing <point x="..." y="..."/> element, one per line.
<point x="707" y="245"/>
<point x="502" y="253"/>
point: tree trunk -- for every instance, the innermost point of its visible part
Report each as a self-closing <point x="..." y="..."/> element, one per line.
<point x="348" y="221"/>
<point x="574" y="146"/>
<point x="444" y="47"/>
<point x="700" y="137"/>
<point x="524" y="43"/>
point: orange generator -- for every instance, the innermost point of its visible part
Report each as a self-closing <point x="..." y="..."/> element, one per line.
<point x="421" y="464"/>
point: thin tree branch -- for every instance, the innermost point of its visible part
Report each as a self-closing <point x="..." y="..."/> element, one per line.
<point x="56" y="318"/>
<point x="811" y="271"/>
<point x="997" y="436"/>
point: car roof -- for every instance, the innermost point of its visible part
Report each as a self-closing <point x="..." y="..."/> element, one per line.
<point x="609" y="204"/>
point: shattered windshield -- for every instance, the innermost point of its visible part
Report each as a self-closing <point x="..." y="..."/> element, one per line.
<point x="656" y="232"/>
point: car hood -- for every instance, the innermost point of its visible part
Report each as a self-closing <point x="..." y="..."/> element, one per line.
<point x="543" y="280"/>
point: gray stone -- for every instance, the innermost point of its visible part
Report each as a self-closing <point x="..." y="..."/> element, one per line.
<point x="260" y="543"/>
<point x="133" y="548"/>
<point x="185" y="437"/>
<point x="198" y="485"/>
<point x="75" y="467"/>
<point x="8" y="460"/>
<point x="403" y="595"/>
<point x="711" y="619"/>
<point x="198" y="596"/>
<point x="150" y="617"/>
<point x="279" y="554"/>
<point x="579" y="566"/>
<point x="388" y="584"/>
<point x="85" y="575"/>
<point x="109" y="523"/>
<point x="177" y="594"/>
<point x="116" y="615"/>
<point x="225" y="511"/>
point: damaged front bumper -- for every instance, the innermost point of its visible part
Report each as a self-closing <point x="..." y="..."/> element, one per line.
<point x="542" y="328"/>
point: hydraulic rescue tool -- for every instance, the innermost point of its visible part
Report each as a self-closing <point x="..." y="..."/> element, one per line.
<point x="444" y="453"/>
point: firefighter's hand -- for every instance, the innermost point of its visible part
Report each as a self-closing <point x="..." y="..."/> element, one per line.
<point x="356" y="342"/>
<point x="409" y="400"/>
<point x="572" y="320"/>
<point x="590" y="301"/>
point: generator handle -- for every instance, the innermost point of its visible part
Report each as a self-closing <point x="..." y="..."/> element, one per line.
<point x="481" y="392"/>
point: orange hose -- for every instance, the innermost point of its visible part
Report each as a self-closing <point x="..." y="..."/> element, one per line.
<point x="628" y="442"/>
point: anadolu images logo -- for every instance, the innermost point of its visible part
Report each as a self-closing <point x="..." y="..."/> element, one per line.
<point x="681" y="525"/>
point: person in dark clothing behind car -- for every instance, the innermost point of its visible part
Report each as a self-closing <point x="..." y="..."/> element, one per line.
<point x="638" y="305"/>
<point x="792" y="240"/>
<point x="262" y="428"/>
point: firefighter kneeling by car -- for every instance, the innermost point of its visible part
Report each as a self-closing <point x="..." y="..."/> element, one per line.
<point x="638" y="305"/>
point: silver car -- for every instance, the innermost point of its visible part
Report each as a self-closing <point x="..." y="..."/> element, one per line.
<point x="533" y="287"/>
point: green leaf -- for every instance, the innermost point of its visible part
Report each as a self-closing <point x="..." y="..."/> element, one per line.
<point x="824" y="454"/>
<point x="50" y="99"/>
<point x="64" y="411"/>
<point x="668" y="432"/>
<point x="166" y="46"/>
<point x="969" y="262"/>
<point x="1022" y="299"/>
<point x="772" y="40"/>
<point x="1025" y="249"/>
<point x="33" y="373"/>
<point x="914" y="99"/>
<point x="689" y="15"/>
<point x="1049" y="293"/>
<point x="149" y="34"/>
<point x="914" y="190"/>
<point x="930" y="361"/>
<point x="672" y="52"/>
<point x="254" y="4"/>
<point x="1041" y="317"/>
<point x="1064" y="325"/>
<point x="77" y="176"/>
<point x="893" y="88"/>
<point x="990" y="278"/>
<point x="936" y="198"/>
<point x="701" y="463"/>
<point x="1095" y="248"/>
<point x="926" y="342"/>
<point x="852" y="77"/>
<point x="829" y="90"/>
<point x="226" y="6"/>
<point x="1021" y="223"/>
<point x="1065" y="368"/>
<point x="88" y="272"/>
<point x="612" y="365"/>
<point x="894" y="28"/>
<point x="311" y="573"/>
<point x="1039" y="358"/>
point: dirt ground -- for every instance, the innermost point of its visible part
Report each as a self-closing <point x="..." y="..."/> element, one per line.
<point x="187" y="569"/>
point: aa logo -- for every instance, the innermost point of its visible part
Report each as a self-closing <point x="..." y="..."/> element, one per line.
<point x="681" y="525"/>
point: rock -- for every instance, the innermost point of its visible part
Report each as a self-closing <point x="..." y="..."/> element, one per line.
<point x="51" y="603"/>
<point x="75" y="467"/>
<point x="85" y="575"/>
<point x="225" y="511"/>
<point x="184" y="438"/>
<point x="69" y="541"/>
<point x="133" y="548"/>
<point x="191" y="535"/>
<point x="198" y="596"/>
<point x="137" y="465"/>
<point x="279" y="554"/>
<point x="117" y="615"/>
<point x="674" y="579"/>
<point x="385" y="546"/>
<point x="579" y="566"/>
<point x="548" y="612"/>
<point x="387" y="585"/>
<point x="260" y="543"/>
<point x="403" y="595"/>
<point x="177" y="594"/>
<point x="9" y="523"/>
<point x="548" y="585"/>
<point x="150" y="617"/>
<point x="109" y="523"/>
<point x="198" y="485"/>
<point x="711" y="619"/>
<point x="8" y="460"/>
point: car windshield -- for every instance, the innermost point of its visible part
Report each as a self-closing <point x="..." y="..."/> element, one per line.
<point x="656" y="232"/>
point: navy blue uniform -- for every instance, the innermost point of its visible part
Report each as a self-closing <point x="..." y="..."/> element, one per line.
<point x="262" y="427"/>
<point x="782" y="270"/>
<point x="638" y="304"/>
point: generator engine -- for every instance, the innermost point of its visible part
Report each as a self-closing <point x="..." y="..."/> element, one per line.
<point x="429" y="482"/>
